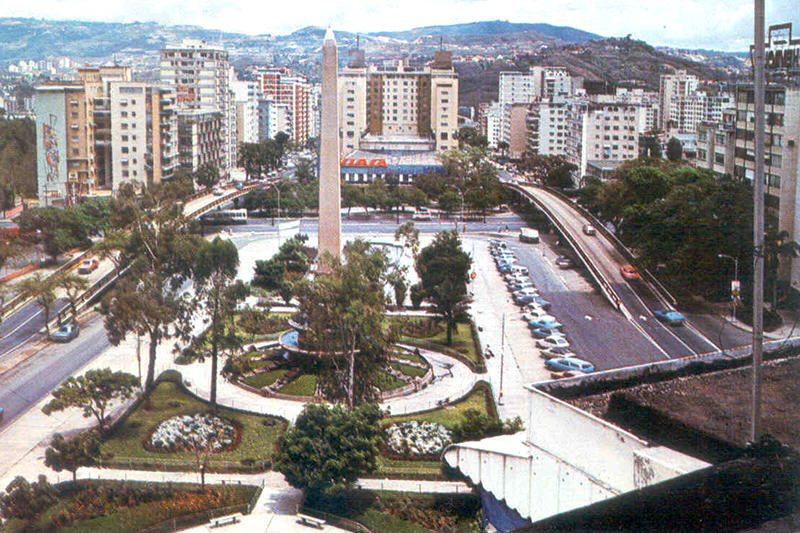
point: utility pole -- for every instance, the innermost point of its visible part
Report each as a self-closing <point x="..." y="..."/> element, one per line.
<point x="502" y="357"/>
<point x="759" y="88"/>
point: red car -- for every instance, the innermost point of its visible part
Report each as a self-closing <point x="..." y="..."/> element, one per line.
<point x="628" y="272"/>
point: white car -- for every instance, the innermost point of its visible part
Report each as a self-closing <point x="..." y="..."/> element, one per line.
<point x="553" y="341"/>
<point x="537" y="314"/>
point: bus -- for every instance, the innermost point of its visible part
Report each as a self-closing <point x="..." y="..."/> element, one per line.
<point x="225" y="216"/>
<point x="529" y="235"/>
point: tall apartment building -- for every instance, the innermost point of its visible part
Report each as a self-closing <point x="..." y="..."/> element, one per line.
<point x="64" y="144"/>
<point x="548" y="127"/>
<point x="200" y="138"/>
<point x="96" y="81"/>
<point x="602" y="134"/>
<point x="672" y="87"/>
<point x="494" y="119"/>
<point x="80" y="128"/>
<point x="200" y="74"/>
<point x="782" y="131"/>
<point x="399" y="107"/>
<point x="144" y="133"/>
<point x="648" y="103"/>
<point x="245" y="100"/>
<point x="716" y="143"/>
<point x="539" y="82"/>
<point x="515" y="129"/>
<point x="292" y="91"/>
<point x="273" y="118"/>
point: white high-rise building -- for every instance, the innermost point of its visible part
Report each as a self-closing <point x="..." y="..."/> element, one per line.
<point x="245" y="98"/>
<point x="548" y="127"/>
<point x="200" y="74"/>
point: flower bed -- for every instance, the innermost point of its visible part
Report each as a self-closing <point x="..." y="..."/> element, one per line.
<point x="190" y="432"/>
<point x="417" y="439"/>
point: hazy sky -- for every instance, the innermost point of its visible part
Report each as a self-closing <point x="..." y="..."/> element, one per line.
<point x="718" y="24"/>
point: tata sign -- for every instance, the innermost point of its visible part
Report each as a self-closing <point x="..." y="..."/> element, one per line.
<point x="363" y="163"/>
<point x="782" y="52"/>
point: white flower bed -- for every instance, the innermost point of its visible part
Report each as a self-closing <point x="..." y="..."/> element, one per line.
<point x="418" y="438"/>
<point x="193" y="432"/>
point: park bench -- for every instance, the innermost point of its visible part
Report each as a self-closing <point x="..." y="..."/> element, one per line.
<point x="227" y="520"/>
<point x="310" y="521"/>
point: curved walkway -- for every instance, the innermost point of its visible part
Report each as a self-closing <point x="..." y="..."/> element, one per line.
<point x="452" y="379"/>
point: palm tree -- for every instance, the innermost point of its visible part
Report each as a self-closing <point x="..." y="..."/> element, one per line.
<point x="43" y="290"/>
<point x="73" y="285"/>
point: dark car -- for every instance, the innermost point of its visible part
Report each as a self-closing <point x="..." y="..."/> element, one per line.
<point x="670" y="316"/>
<point x="65" y="333"/>
<point x="564" y="262"/>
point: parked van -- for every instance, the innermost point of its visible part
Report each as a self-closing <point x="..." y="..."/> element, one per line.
<point x="529" y="235"/>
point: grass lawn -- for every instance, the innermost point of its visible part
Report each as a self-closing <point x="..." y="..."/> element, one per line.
<point x="384" y="522"/>
<point x="168" y="400"/>
<point x="408" y="370"/>
<point x="185" y="500"/>
<point x="303" y="385"/>
<point x="449" y="415"/>
<point x="407" y="356"/>
<point x="392" y="512"/>
<point x="388" y="467"/>
<point x="266" y="378"/>
<point x="388" y="382"/>
<point x="462" y="341"/>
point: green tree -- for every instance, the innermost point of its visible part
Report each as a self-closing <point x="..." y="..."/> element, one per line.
<point x="449" y="201"/>
<point x="302" y="171"/>
<point x="469" y="136"/>
<point x="73" y="285"/>
<point x="476" y="425"/>
<point x="503" y="147"/>
<point x="345" y="314"/>
<point x="649" y="145"/>
<point x="443" y="269"/>
<point x="215" y="269"/>
<point x="207" y="175"/>
<point x="25" y="500"/>
<point x="561" y="176"/>
<point x="408" y="234"/>
<point x="72" y="454"/>
<point x="161" y="253"/>
<point x="93" y="392"/>
<point x="674" y="149"/>
<point x="328" y="448"/>
<point x="43" y="290"/>
<point x="57" y="229"/>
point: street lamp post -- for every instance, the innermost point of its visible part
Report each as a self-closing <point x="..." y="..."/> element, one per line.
<point x="735" y="276"/>
<point x="279" y="200"/>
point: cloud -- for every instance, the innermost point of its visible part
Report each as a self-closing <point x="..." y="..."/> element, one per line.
<point x="719" y="24"/>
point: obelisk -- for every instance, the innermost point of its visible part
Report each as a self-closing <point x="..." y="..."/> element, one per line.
<point x="330" y="220"/>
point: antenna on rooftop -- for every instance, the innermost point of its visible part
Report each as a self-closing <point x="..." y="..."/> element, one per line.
<point x="441" y="42"/>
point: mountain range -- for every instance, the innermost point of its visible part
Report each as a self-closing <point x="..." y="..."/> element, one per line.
<point x="28" y="38"/>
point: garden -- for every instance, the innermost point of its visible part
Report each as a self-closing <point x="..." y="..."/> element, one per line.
<point x="172" y="428"/>
<point x="405" y="513"/>
<point x="430" y="333"/>
<point x="414" y="442"/>
<point x="109" y="506"/>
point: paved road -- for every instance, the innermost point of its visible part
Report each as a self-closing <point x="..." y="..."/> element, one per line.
<point x="38" y="375"/>
<point x="20" y="326"/>
<point x="596" y="331"/>
<point x="636" y="296"/>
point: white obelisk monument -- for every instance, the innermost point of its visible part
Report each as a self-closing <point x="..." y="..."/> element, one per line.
<point x="330" y="220"/>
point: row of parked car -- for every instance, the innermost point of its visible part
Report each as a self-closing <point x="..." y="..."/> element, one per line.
<point x="548" y="331"/>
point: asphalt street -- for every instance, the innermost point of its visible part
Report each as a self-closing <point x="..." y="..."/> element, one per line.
<point x="20" y="326"/>
<point x="597" y="332"/>
<point x="38" y="375"/>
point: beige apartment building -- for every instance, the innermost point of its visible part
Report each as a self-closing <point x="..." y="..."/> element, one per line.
<point x="602" y="134"/>
<point x="782" y="132"/>
<point x="398" y="107"/>
<point x="100" y="131"/>
<point x="201" y="74"/>
<point x="144" y="134"/>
